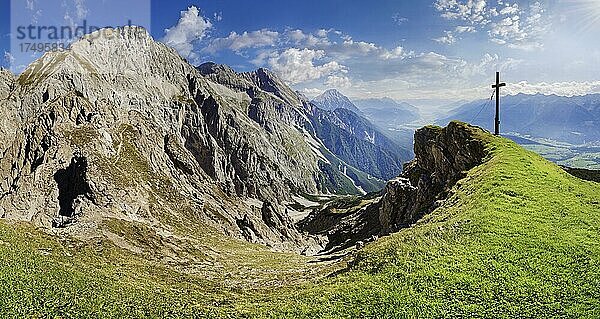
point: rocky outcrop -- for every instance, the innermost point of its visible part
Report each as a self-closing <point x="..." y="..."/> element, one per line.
<point x="443" y="157"/>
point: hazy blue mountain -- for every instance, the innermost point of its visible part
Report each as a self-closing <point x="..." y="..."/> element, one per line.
<point x="332" y="99"/>
<point x="574" y="120"/>
<point x="387" y="113"/>
<point x="366" y="141"/>
<point x="384" y="103"/>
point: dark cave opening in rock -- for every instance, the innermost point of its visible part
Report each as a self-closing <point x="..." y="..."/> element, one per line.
<point x="72" y="183"/>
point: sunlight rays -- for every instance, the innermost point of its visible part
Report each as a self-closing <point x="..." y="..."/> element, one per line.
<point x="586" y="12"/>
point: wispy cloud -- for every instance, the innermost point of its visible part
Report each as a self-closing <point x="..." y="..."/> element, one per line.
<point x="75" y="12"/>
<point x="520" y="29"/>
<point x="448" y="38"/>
<point x="8" y="60"/>
<point x="238" y="42"/>
<point x="558" y="88"/>
<point x="36" y="13"/>
<point x="399" y="19"/>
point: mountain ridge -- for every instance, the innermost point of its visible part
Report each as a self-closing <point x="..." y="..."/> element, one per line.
<point x="120" y="126"/>
<point x="352" y="133"/>
<point x="152" y="125"/>
<point x="567" y="119"/>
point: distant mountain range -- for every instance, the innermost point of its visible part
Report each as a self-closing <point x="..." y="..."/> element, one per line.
<point x="385" y="113"/>
<point x="563" y="129"/>
<point x="388" y="113"/>
<point x="574" y="120"/>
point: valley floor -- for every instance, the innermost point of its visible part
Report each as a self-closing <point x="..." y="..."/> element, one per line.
<point x="518" y="237"/>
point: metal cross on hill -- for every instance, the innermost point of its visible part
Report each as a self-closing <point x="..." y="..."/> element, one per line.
<point x="497" y="86"/>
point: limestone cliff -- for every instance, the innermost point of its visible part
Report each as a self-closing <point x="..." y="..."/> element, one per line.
<point x="120" y="126"/>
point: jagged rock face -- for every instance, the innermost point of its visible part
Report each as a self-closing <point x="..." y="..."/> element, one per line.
<point x="251" y="83"/>
<point x="269" y="82"/>
<point x="8" y="116"/>
<point x="7" y="82"/>
<point x="121" y="126"/>
<point x="442" y="157"/>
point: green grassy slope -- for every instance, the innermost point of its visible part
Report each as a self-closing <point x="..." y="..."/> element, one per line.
<point x="519" y="238"/>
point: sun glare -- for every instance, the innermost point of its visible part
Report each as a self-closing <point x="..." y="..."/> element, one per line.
<point x="586" y="13"/>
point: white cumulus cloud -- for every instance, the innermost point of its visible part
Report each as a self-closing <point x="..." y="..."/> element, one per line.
<point x="338" y="81"/>
<point x="301" y="65"/>
<point x="312" y="92"/>
<point x="192" y="26"/>
<point x="510" y="9"/>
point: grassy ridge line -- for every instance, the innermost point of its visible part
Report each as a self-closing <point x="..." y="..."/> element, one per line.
<point x="519" y="238"/>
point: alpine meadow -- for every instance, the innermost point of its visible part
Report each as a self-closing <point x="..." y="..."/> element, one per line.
<point x="314" y="159"/>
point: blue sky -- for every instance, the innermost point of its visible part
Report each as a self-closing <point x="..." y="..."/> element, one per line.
<point x="445" y="49"/>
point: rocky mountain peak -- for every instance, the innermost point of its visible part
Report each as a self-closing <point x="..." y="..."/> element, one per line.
<point x="333" y="99"/>
<point x="263" y="79"/>
<point x="110" y="54"/>
<point x="332" y="93"/>
<point x="270" y="82"/>
<point x="209" y="68"/>
<point x="119" y="126"/>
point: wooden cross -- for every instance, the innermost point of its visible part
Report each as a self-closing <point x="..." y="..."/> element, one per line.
<point x="497" y="86"/>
